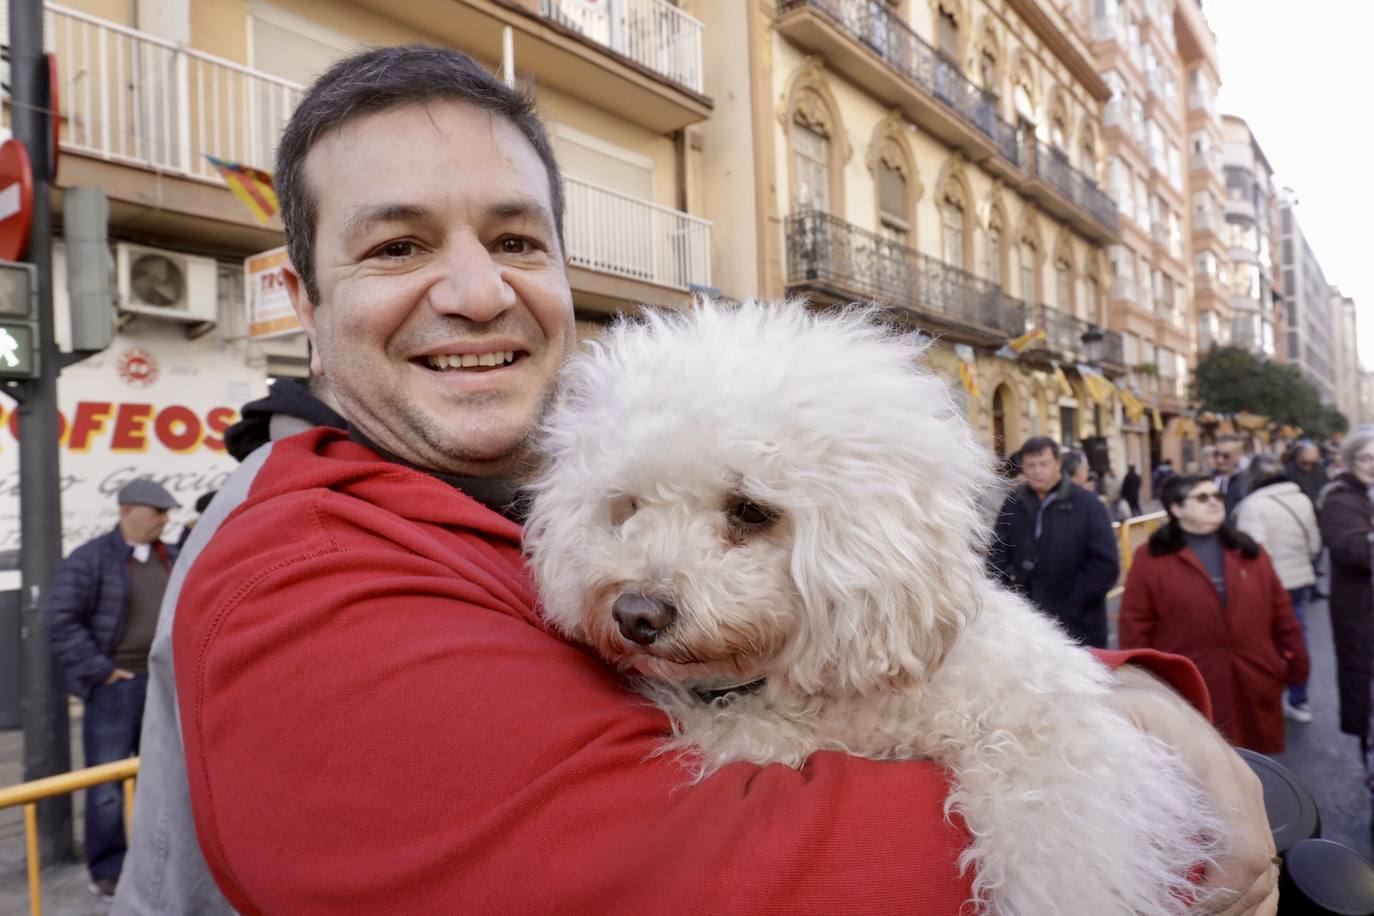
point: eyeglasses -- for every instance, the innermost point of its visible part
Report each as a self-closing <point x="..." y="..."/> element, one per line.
<point x="1204" y="498"/>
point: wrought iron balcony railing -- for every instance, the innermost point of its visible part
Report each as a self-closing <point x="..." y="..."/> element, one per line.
<point x="883" y="31"/>
<point x="1053" y="167"/>
<point x="828" y="252"/>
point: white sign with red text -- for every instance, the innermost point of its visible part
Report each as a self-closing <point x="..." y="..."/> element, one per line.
<point x="153" y="405"/>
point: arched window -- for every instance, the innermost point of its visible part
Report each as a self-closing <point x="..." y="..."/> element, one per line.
<point x="995" y="255"/>
<point x="1063" y="286"/>
<point x="1030" y="291"/>
<point x="1058" y="136"/>
<point x="1095" y="302"/>
<point x="811" y="166"/>
<point x="947" y="34"/>
<point x="1088" y="160"/>
<point x="952" y="231"/>
<point x="987" y="69"/>
<point x="894" y="217"/>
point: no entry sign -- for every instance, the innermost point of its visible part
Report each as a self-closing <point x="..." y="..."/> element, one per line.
<point x="16" y="199"/>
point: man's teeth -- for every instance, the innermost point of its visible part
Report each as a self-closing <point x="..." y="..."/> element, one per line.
<point x="469" y="360"/>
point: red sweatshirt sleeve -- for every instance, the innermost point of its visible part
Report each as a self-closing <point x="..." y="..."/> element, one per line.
<point x="369" y="731"/>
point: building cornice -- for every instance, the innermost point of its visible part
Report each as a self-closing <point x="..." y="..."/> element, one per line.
<point x="1062" y="46"/>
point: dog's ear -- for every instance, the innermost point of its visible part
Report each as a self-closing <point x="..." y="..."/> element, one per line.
<point x="888" y="558"/>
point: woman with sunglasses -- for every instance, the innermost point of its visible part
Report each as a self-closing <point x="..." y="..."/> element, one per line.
<point x="1347" y="523"/>
<point x="1201" y="589"/>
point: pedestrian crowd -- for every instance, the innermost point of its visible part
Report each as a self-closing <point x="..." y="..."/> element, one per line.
<point x="366" y="713"/>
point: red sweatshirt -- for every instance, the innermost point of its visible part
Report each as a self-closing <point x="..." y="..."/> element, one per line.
<point x="375" y="721"/>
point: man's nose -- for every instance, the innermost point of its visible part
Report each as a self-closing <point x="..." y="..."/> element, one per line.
<point x="642" y="619"/>
<point x="473" y="284"/>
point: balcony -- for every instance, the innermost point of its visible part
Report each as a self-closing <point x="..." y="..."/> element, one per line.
<point x="656" y="252"/>
<point x="133" y="98"/>
<point x="875" y="48"/>
<point x="653" y="33"/>
<point x="841" y="262"/>
<point x="1075" y="197"/>
<point x="1240" y="208"/>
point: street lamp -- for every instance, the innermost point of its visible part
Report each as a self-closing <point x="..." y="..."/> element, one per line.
<point x="1093" y="340"/>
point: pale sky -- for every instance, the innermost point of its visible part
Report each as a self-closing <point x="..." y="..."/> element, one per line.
<point x="1302" y="75"/>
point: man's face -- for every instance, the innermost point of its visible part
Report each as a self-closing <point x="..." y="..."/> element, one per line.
<point x="444" y="308"/>
<point x="1308" y="457"/>
<point x="1228" y="457"/>
<point x="141" y="524"/>
<point x="1042" y="470"/>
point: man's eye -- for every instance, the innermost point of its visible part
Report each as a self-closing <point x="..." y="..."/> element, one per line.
<point x="400" y="249"/>
<point x="514" y="245"/>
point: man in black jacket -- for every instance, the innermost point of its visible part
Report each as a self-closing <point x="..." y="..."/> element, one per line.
<point x="1053" y="543"/>
<point x="100" y="622"/>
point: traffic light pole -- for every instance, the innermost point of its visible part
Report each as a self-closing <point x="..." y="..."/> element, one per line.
<point x="47" y="746"/>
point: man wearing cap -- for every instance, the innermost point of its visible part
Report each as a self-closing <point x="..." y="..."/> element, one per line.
<point x="100" y="621"/>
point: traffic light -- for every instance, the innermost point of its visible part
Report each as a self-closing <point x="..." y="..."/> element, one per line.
<point x="18" y="320"/>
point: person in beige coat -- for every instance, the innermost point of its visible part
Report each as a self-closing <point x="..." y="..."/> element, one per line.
<point x="1277" y="514"/>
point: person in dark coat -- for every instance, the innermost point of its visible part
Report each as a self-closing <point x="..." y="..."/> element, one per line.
<point x="1306" y="469"/>
<point x="1346" y="518"/>
<point x="1202" y="589"/>
<point x="1162" y="472"/>
<point x="100" y="621"/>
<point x="1130" y="489"/>
<point x="1054" y="543"/>
<point x="1230" y="477"/>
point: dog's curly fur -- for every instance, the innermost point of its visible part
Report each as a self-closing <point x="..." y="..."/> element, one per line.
<point x="854" y="585"/>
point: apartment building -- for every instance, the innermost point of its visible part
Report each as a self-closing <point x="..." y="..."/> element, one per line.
<point x="1308" y="312"/>
<point x="938" y="158"/>
<point x="1252" y="229"/>
<point x="1163" y="147"/>
<point x="1346" y="356"/>
<point x="150" y="89"/>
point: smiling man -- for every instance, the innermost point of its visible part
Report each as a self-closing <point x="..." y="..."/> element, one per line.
<point x="375" y="718"/>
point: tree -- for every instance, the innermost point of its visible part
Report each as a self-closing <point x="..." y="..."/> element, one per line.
<point x="1232" y="379"/>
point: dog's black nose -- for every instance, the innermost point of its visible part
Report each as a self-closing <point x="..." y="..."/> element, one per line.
<point x="642" y="619"/>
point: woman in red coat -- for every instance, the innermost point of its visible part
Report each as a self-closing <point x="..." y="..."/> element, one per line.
<point x="1206" y="591"/>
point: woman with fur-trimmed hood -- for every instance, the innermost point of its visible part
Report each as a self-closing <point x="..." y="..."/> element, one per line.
<point x="1201" y="589"/>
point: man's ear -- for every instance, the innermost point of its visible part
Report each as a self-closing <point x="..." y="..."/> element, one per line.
<point x="305" y="311"/>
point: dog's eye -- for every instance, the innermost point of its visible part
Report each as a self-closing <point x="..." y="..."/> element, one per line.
<point x="748" y="514"/>
<point x="622" y="507"/>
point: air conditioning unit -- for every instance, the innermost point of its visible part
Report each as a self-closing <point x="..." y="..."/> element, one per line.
<point x="166" y="284"/>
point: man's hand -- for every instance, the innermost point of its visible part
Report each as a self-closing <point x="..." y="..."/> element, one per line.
<point x="119" y="674"/>
<point x="1247" y="873"/>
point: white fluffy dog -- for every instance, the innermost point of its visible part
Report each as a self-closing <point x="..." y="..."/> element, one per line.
<point x="788" y="503"/>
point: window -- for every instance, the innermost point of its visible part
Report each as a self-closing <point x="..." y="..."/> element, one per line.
<point x="1088" y="161"/>
<point x="947" y="34"/>
<point x="995" y="255"/>
<point x="1094" y="301"/>
<point x="1063" y="296"/>
<point x="893" y="216"/>
<point x="1057" y="134"/>
<point x="952" y="235"/>
<point x="1029" y="293"/>
<point x="811" y="161"/>
<point x="987" y="70"/>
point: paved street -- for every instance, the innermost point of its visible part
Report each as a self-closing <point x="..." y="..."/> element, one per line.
<point x="1327" y="761"/>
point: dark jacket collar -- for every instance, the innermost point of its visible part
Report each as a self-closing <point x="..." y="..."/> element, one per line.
<point x="1063" y="495"/>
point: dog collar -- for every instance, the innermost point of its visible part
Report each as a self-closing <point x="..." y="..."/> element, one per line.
<point x="711" y="695"/>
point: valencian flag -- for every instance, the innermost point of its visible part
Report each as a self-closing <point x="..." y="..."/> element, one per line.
<point x="967" y="373"/>
<point x="1020" y="344"/>
<point x="1131" y="404"/>
<point x="1158" y="420"/>
<point x="250" y="185"/>
<point x="1099" y="389"/>
<point x="1064" y="387"/>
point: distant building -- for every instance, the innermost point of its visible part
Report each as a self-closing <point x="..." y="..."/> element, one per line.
<point x="1307" y="309"/>
<point x="1252" y="228"/>
<point x="1345" y="346"/>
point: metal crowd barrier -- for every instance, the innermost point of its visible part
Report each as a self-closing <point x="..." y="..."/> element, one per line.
<point x="29" y="794"/>
<point x="1130" y="534"/>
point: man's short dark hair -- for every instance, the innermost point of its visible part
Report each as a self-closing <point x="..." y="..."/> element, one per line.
<point x="1229" y="438"/>
<point x="378" y="80"/>
<point x="1037" y="444"/>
